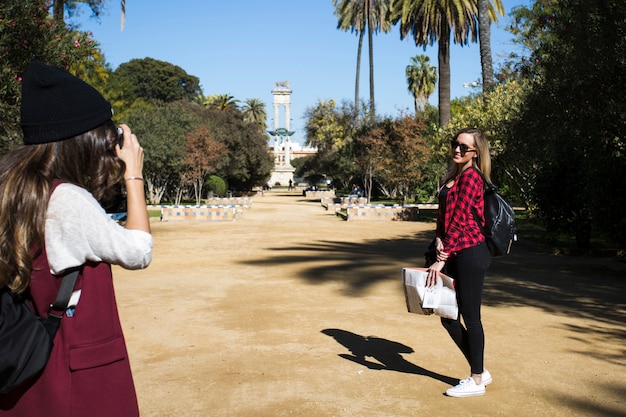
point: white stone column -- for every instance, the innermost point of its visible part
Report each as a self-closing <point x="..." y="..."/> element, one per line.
<point x="276" y="138"/>
<point x="288" y="139"/>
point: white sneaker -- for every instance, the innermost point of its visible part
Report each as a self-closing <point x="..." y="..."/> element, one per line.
<point x="487" y="379"/>
<point x="466" y="388"/>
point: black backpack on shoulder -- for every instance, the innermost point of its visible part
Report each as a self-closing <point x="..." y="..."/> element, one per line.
<point x="499" y="229"/>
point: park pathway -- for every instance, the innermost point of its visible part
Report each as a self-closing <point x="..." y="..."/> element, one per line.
<point x="291" y="311"/>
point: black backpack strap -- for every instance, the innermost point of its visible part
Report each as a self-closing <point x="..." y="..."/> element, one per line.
<point x="488" y="186"/>
<point x="477" y="220"/>
<point x="57" y="309"/>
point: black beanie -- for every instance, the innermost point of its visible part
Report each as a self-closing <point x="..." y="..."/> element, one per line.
<point x="56" y="105"/>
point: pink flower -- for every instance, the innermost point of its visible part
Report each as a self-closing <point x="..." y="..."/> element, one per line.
<point x="76" y="43"/>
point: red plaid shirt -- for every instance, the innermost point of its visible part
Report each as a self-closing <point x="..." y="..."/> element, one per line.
<point x="455" y="221"/>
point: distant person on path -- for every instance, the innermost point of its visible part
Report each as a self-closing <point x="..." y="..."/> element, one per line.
<point x="52" y="193"/>
<point x="290" y="185"/>
<point x="462" y="251"/>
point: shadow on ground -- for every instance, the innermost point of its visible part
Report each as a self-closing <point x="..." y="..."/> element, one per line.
<point x="585" y="287"/>
<point x="387" y="353"/>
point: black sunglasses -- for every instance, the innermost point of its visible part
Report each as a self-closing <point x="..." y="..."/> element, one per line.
<point x="462" y="147"/>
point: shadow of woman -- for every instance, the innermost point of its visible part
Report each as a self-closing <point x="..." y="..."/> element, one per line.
<point x="387" y="353"/>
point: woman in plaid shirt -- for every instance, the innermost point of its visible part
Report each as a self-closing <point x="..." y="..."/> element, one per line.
<point x="462" y="251"/>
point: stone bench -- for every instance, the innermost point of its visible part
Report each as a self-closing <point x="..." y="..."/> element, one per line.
<point x="244" y="202"/>
<point x="314" y="195"/>
<point x="379" y="212"/>
<point x="345" y="201"/>
<point x="202" y="213"/>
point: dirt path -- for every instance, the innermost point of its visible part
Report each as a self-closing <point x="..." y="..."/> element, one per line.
<point x="291" y="311"/>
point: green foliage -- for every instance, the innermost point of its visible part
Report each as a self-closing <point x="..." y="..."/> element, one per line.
<point x="221" y="102"/>
<point x="217" y="185"/>
<point x="304" y="165"/>
<point x="392" y="153"/>
<point x="493" y="113"/>
<point x="151" y="80"/>
<point x="184" y="142"/>
<point x="331" y="130"/>
<point x="161" y="131"/>
<point x="572" y="126"/>
<point x="422" y="79"/>
<point x="27" y="32"/>
<point x="253" y="110"/>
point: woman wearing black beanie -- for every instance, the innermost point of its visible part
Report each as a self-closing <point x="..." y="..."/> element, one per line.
<point x="52" y="193"/>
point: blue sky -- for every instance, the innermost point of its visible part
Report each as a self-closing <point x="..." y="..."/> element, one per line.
<point x="242" y="48"/>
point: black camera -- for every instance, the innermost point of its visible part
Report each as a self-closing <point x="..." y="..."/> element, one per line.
<point x="120" y="136"/>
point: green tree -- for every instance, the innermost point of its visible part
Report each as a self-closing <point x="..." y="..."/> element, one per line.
<point x="221" y="102"/>
<point x="60" y="7"/>
<point x="484" y="37"/>
<point x="152" y="80"/>
<point x="331" y="130"/>
<point x="217" y="185"/>
<point x="161" y="130"/>
<point x="356" y="16"/>
<point x="27" y="32"/>
<point x="248" y="162"/>
<point x="430" y="21"/>
<point x="395" y="152"/>
<point x="421" y="78"/>
<point x="494" y="113"/>
<point x="572" y="126"/>
<point x="253" y="110"/>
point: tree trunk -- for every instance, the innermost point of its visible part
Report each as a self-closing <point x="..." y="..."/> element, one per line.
<point x="358" y="76"/>
<point x="444" y="76"/>
<point x="58" y="10"/>
<point x="484" y="36"/>
<point x="371" y="50"/>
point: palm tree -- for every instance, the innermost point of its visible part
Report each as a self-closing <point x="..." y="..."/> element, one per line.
<point x="253" y="111"/>
<point x="123" y="17"/>
<point x="58" y="8"/>
<point x="356" y="16"/>
<point x="221" y="102"/>
<point x="484" y="37"/>
<point x="430" y="21"/>
<point x="422" y="79"/>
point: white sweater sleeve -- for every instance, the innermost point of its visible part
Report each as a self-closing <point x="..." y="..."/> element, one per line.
<point x="78" y="230"/>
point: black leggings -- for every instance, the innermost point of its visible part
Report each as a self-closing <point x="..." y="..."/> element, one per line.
<point x="468" y="269"/>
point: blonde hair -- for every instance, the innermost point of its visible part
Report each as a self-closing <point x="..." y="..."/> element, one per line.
<point x="481" y="161"/>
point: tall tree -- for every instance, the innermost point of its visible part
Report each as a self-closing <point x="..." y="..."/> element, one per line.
<point x="422" y="78"/>
<point x="28" y="31"/>
<point x="484" y="38"/>
<point x="430" y="21"/>
<point x="357" y="16"/>
<point x="152" y="79"/>
<point x="253" y="110"/>
<point x="59" y="7"/>
<point x="204" y="155"/>
<point x="578" y="73"/>
<point x="221" y="102"/>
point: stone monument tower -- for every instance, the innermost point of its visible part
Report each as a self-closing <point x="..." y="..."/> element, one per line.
<point x="283" y="171"/>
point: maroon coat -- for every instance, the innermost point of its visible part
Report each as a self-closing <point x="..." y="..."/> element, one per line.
<point x="88" y="374"/>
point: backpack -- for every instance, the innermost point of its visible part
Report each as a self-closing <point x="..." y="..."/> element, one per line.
<point x="25" y="338"/>
<point x="499" y="229"/>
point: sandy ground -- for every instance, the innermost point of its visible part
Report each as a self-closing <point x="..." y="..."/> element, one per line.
<point x="291" y="311"/>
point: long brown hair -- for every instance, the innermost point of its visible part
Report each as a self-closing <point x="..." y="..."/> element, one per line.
<point x="26" y="174"/>
<point x="482" y="161"/>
